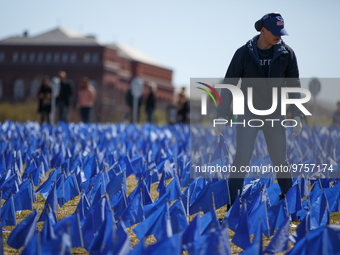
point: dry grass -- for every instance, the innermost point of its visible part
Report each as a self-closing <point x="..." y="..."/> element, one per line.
<point x="71" y="205"/>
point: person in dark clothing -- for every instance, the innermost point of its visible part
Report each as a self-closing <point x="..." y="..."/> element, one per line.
<point x="265" y="56"/>
<point x="63" y="99"/>
<point x="182" y="107"/>
<point x="44" y="95"/>
<point x="129" y="102"/>
<point x="150" y="102"/>
<point x="336" y="115"/>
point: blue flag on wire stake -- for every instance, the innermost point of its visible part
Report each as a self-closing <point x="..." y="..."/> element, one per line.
<point x="24" y="232"/>
<point x="242" y="236"/>
<point x="51" y="201"/>
<point x="280" y="241"/>
<point x="8" y="213"/>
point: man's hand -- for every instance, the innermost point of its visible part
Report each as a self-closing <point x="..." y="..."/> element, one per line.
<point x="219" y="127"/>
<point x="298" y="127"/>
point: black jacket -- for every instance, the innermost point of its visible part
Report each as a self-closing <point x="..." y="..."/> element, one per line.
<point x="150" y="101"/>
<point x="65" y="93"/>
<point x="283" y="72"/>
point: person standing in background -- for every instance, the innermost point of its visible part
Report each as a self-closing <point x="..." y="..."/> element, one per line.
<point x="86" y="99"/>
<point x="150" y="101"/>
<point x="182" y="107"/>
<point x="129" y="101"/>
<point x="44" y="95"/>
<point x="63" y="99"/>
<point x="336" y="115"/>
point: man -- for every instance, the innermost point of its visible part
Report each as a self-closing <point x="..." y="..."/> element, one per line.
<point x="150" y="101"/>
<point x="336" y="116"/>
<point x="63" y="99"/>
<point x="263" y="57"/>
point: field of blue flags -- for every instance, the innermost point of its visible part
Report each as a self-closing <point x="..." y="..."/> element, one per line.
<point x="93" y="164"/>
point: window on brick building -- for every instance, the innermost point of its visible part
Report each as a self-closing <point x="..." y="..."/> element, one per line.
<point x="73" y="57"/>
<point x="56" y="57"/>
<point x="40" y="57"/>
<point x="48" y="57"/>
<point x="2" y="56"/>
<point x="15" y="56"/>
<point x="87" y="57"/>
<point x="34" y="87"/>
<point x="95" y="58"/>
<point x="64" y="57"/>
<point x="32" y="57"/>
<point x="19" y="89"/>
<point x="23" y="57"/>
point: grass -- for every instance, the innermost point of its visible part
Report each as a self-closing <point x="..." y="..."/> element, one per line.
<point x="22" y="112"/>
<point x="71" y="205"/>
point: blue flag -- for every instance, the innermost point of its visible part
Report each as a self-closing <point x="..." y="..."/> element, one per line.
<point x="101" y="235"/>
<point x="233" y="214"/>
<point x="75" y="229"/>
<point x="242" y="236"/>
<point x="67" y="190"/>
<point x="294" y="199"/>
<point x="56" y="160"/>
<point x="256" y="246"/>
<point x="319" y="212"/>
<point x="174" y="189"/>
<point x="166" y="246"/>
<point x="333" y="198"/>
<point x="51" y="201"/>
<point x="24" y="199"/>
<point x="205" y="201"/>
<point x="94" y="219"/>
<point x="24" y="232"/>
<point x="279" y="242"/>
<point x="215" y="241"/>
<point x="178" y="217"/>
<point x="9" y="186"/>
<point x="134" y="213"/>
<point x="209" y="221"/>
<point x="192" y="232"/>
<point x="161" y="187"/>
<point x="115" y="183"/>
<point x="332" y="233"/>
<point x="8" y="213"/>
<point x="118" y="242"/>
<point x="301" y="231"/>
<point x="119" y="203"/>
<point x="47" y="186"/>
<point x="156" y="224"/>
<point x="277" y="214"/>
<point x="90" y="167"/>
<point x="145" y="193"/>
<point x="48" y="232"/>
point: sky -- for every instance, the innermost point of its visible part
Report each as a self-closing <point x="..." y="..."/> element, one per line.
<point x="192" y="37"/>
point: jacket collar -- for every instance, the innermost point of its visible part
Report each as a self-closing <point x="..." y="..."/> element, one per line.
<point x="279" y="48"/>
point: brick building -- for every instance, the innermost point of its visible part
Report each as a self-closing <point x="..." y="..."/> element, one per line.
<point x="25" y="60"/>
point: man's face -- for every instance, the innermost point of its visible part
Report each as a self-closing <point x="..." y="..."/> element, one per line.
<point x="269" y="37"/>
<point x="62" y="76"/>
<point x="339" y="107"/>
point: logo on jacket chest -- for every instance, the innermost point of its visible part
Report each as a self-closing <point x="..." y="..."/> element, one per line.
<point x="264" y="62"/>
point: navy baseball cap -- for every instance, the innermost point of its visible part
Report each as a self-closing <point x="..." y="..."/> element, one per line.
<point x="275" y="24"/>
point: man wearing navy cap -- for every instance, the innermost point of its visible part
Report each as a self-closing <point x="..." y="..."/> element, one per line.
<point x="264" y="57"/>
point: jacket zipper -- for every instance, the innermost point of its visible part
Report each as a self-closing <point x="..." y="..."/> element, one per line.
<point x="271" y="63"/>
